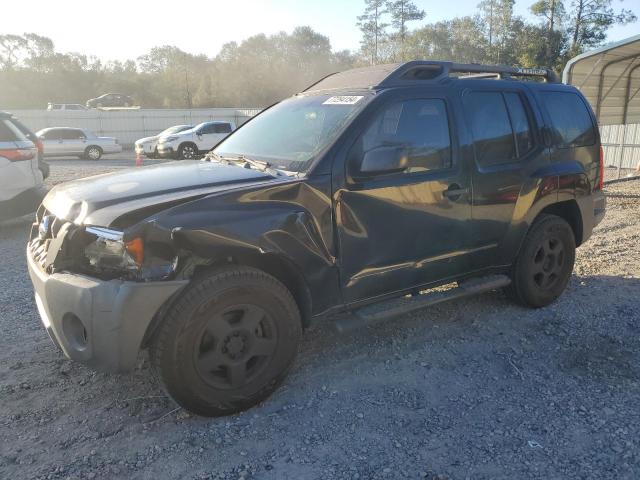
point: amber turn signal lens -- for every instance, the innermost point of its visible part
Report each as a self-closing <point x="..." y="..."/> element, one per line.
<point x="135" y="248"/>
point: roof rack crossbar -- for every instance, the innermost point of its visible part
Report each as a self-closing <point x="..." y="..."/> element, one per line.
<point x="504" y="70"/>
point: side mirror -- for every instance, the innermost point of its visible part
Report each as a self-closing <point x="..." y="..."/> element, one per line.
<point x="384" y="160"/>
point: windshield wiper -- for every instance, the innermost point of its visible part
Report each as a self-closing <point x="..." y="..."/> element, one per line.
<point x="246" y="163"/>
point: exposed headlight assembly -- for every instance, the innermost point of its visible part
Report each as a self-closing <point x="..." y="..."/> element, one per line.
<point x="111" y="255"/>
<point x="109" y="252"/>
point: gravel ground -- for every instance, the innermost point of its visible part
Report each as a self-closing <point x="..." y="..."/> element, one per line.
<point x="475" y="389"/>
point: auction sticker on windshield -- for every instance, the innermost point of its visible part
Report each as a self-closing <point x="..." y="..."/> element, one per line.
<point x="343" y="100"/>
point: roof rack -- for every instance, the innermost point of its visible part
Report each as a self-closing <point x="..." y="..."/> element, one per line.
<point x="417" y="72"/>
<point x="433" y="70"/>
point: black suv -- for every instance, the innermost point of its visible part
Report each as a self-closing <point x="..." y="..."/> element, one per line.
<point x="372" y="186"/>
<point x="110" y="100"/>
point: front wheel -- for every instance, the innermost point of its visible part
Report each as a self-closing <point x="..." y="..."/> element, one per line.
<point x="227" y="342"/>
<point x="544" y="264"/>
<point x="188" y="151"/>
<point x="93" y="153"/>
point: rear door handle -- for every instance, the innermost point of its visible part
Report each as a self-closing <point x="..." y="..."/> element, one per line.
<point x="454" y="192"/>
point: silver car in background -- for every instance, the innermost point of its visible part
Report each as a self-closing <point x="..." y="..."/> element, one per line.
<point x="148" y="146"/>
<point x="79" y="142"/>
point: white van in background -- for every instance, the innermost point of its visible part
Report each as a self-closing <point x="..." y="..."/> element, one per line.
<point x="21" y="183"/>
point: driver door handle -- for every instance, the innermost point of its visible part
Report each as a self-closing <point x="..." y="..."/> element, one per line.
<point x="454" y="192"/>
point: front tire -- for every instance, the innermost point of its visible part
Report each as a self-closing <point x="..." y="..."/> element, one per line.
<point x="187" y="151"/>
<point x="544" y="264"/>
<point x="93" y="153"/>
<point x="227" y="342"/>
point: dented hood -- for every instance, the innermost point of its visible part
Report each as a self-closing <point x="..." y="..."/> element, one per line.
<point x="101" y="199"/>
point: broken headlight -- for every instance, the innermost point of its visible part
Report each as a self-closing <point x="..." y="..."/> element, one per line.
<point x="111" y="254"/>
<point x="108" y="252"/>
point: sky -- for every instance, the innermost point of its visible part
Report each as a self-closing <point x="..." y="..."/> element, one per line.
<point x="126" y="29"/>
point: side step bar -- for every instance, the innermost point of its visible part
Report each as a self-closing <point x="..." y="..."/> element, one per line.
<point x="399" y="306"/>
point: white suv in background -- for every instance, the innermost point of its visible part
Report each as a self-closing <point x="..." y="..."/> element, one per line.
<point x="198" y="140"/>
<point x="148" y="146"/>
<point x="21" y="183"/>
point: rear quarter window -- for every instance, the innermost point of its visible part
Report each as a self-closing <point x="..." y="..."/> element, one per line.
<point x="570" y="119"/>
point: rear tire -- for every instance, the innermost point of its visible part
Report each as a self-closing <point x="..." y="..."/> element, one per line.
<point x="227" y="342"/>
<point x="93" y="153"/>
<point x="545" y="262"/>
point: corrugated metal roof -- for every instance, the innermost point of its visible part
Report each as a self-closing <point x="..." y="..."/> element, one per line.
<point x="610" y="79"/>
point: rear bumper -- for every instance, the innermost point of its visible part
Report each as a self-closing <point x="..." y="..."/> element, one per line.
<point x="95" y="322"/>
<point x="23" y="203"/>
<point x="593" y="208"/>
<point x="112" y="148"/>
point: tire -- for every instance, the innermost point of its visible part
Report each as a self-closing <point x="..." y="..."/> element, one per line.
<point x="227" y="342"/>
<point x="545" y="262"/>
<point x="187" y="151"/>
<point x="93" y="152"/>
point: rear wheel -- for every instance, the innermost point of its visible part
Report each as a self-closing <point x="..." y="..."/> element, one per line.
<point x="93" y="153"/>
<point x="545" y="262"/>
<point x="187" y="151"/>
<point x="227" y="342"/>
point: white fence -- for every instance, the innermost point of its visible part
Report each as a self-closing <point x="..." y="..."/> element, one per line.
<point x="129" y="125"/>
<point x="621" y="145"/>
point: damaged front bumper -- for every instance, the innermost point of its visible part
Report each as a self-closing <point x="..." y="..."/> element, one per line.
<point x="100" y="323"/>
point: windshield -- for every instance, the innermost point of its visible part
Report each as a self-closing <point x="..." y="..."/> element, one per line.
<point x="176" y="129"/>
<point x="290" y="134"/>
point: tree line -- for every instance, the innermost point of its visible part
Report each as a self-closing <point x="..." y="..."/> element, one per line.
<point x="266" y="68"/>
<point x="493" y="34"/>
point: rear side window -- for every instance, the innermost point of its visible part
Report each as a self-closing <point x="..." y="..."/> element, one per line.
<point x="9" y="132"/>
<point x="519" y="122"/>
<point x="421" y="126"/>
<point x="71" y="134"/>
<point x="500" y="126"/>
<point x="222" y="128"/>
<point x="492" y="133"/>
<point x="570" y="119"/>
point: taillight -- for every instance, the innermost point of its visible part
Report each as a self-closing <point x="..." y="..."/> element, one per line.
<point x="600" y="184"/>
<point x="18" y="154"/>
<point x="39" y="146"/>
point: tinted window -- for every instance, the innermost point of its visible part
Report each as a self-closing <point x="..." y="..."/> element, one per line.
<point x="570" y="118"/>
<point x="519" y="122"/>
<point x="52" y="135"/>
<point x="420" y="126"/>
<point x="222" y="128"/>
<point x="71" y="134"/>
<point x="208" y="128"/>
<point x="9" y="132"/>
<point x="492" y="134"/>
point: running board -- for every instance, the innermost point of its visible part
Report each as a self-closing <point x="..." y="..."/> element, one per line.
<point x="400" y="306"/>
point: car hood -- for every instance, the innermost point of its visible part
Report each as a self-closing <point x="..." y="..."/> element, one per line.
<point x="102" y="199"/>
<point x="147" y="139"/>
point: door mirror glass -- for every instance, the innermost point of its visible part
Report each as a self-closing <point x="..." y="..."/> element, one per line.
<point x="384" y="160"/>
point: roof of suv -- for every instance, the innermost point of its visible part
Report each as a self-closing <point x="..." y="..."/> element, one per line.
<point x="418" y="72"/>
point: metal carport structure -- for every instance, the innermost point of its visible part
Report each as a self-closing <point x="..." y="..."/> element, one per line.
<point x="609" y="77"/>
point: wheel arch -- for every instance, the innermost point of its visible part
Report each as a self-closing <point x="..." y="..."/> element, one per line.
<point x="570" y="212"/>
<point x="275" y="265"/>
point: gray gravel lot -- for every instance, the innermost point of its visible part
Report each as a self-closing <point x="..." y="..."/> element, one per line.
<point x="475" y="389"/>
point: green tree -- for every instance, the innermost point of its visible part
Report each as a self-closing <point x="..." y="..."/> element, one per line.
<point x="590" y="20"/>
<point x="402" y="12"/>
<point x="373" y="28"/>
<point x="552" y="13"/>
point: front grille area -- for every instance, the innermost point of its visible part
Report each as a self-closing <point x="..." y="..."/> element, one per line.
<point x="44" y="230"/>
